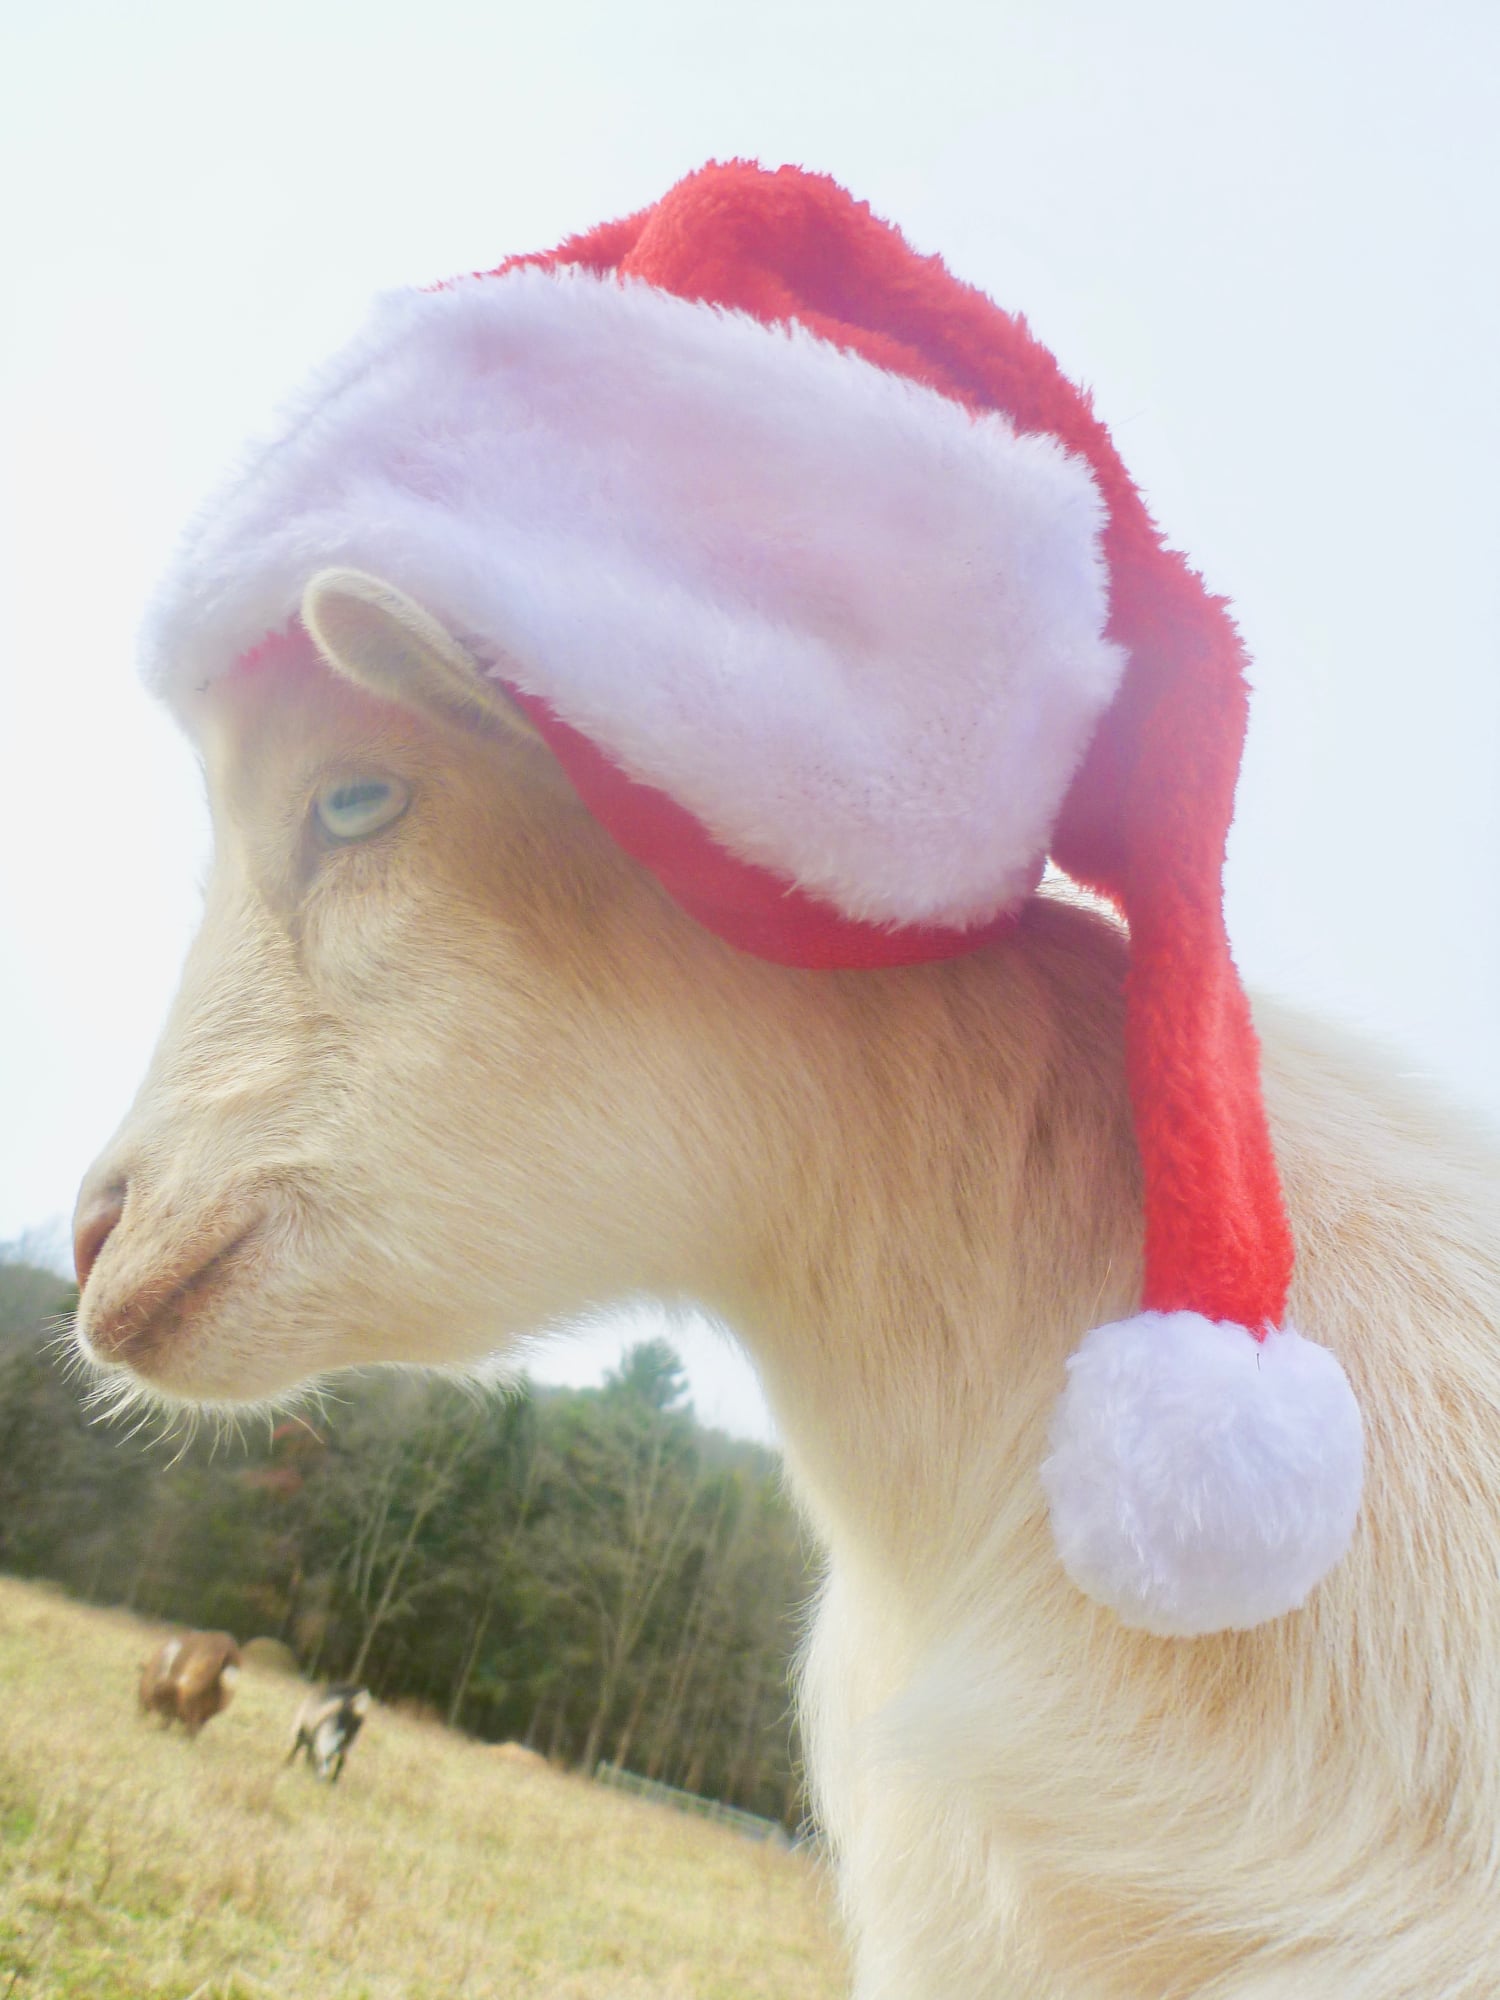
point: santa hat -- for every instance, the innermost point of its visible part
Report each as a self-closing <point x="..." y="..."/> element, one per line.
<point x="834" y="600"/>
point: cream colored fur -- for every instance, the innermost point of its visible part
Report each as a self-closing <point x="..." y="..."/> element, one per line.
<point x="424" y="1093"/>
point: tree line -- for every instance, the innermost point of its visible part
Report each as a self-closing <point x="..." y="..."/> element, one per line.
<point x="590" y="1572"/>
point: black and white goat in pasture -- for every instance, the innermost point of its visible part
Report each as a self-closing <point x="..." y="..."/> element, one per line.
<point x="326" y="1726"/>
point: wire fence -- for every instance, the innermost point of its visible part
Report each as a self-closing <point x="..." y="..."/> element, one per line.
<point x="750" y="1824"/>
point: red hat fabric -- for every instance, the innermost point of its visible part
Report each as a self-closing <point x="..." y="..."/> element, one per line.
<point x="835" y="601"/>
<point x="753" y="908"/>
<point x="1146" y="819"/>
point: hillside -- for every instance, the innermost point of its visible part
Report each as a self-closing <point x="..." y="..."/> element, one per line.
<point x="590" y="1570"/>
<point x="134" y="1863"/>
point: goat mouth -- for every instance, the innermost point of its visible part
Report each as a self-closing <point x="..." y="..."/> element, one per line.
<point x="139" y="1330"/>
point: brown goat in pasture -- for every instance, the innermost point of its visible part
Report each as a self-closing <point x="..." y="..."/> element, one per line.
<point x="190" y="1679"/>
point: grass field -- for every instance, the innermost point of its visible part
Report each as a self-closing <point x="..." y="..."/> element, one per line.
<point x="134" y="1863"/>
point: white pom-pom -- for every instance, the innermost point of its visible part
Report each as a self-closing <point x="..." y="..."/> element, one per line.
<point x="1201" y="1480"/>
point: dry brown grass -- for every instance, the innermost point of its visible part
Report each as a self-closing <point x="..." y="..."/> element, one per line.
<point x="134" y="1863"/>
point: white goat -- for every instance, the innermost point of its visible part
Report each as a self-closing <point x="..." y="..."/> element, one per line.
<point x="823" y="589"/>
<point x="428" y="1089"/>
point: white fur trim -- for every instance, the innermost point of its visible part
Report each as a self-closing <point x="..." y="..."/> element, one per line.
<point x="1200" y="1480"/>
<point x="856" y="631"/>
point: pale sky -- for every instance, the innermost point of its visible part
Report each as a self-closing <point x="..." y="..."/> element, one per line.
<point x="1264" y="234"/>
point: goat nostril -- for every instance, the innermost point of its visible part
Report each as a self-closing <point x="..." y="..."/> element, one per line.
<point x="92" y="1224"/>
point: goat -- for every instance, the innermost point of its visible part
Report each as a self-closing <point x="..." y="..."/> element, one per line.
<point x="448" y="1065"/>
<point x="326" y="1725"/>
<point x="485" y="1074"/>
<point x="190" y="1679"/>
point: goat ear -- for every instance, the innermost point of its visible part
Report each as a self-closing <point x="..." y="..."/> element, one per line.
<point x="375" y="636"/>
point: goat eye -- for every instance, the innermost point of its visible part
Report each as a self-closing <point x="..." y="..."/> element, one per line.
<point x="359" y="807"/>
